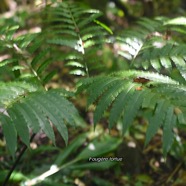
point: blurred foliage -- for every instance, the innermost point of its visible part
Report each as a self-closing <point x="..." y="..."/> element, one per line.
<point x="72" y="165"/>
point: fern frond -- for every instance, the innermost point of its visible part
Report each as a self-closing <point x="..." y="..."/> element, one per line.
<point x="75" y="19"/>
<point x="152" y="45"/>
<point x="38" y="110"/>
<point x="165" y="57"/>
<point x="75" y="27"/>
<point x="125" y="93"/>
<point x="67" y="24"/>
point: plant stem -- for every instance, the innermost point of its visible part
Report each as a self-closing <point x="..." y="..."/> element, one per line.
<point x="17" y="161"/>
<point x="48" y="173"/>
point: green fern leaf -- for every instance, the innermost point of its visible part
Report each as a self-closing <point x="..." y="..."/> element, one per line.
<point x="41" y="116"/>
<point x="181" y="65"/>
<point x="51" y="111"/>
<point x="64" y="13"/>
<point x="155" y="64"/>
<point x="44" y="65"/>
<point x="66" y="110"/>
<point x="166" y="63"/>
<point x="78" y="72"/>
<point x="84" y="83"/>
<point x="66" y="32"/>
<point x="30" y="116"/>
<point x="10" y="31"/>
<point x="148" y="24"/>
<point x="49" y="76"/>
<point x="150" y="100"/>
<point x="176" y="21"/>
<point x="77" y="29"/>
<point x="148" y="46"/>
<point x="180" y="115"/>
<point x="168" y="136"/>
<point x="23" y="41"/>
<point x="108" y="97"/>
<point x="155" y="77"/>
<point x="103" y="84"/>
<point x="133" y="105"/>
<point x="74" y="44"/>
<point x="75" y="64"/>
<point x="36" y="60"/>
<point x="10" y="133"/>
<point x="104" y="26"/>
<point x="119" y="103"/>
<point x="156" y="120"/>
<point x="91" y="30"/>
<point x="20" y="124"/>
<point x="38" y="41"/>
<point x="167" y="50"/>
<point x="91" y="18"/>
<point x="12" y="90"/>
<point x="7" y="61"/>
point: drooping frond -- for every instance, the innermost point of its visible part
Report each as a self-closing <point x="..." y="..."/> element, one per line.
<point x="37" y="111"/>
<point x="125" y="93"/>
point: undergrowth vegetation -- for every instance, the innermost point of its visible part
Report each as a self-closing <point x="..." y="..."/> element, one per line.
<point x="150" y="85"/>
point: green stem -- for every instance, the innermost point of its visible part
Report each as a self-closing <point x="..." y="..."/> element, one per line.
<point x="17" y="161"/>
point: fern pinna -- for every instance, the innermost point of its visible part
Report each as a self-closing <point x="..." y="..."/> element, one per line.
<point x="153" y="45"/>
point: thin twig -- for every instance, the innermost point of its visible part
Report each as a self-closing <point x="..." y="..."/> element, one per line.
<point x="174" y="172"/>
<point x="17" y="161"/>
